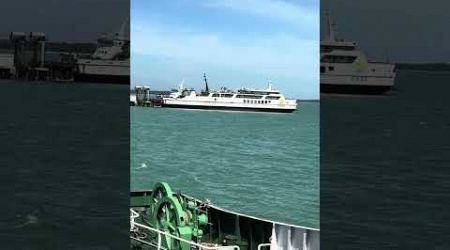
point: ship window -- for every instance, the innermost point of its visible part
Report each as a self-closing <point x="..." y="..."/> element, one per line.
<point x="338" y="59"/>
<point x="227" y="95"/>
<point x="322" y="69"/>
<point x="249" y="96"/>
<point x="215" y="95"/>
<point x="331" y="68"/>
<point x="273" y="97"/>
<point x="269" y="101"/>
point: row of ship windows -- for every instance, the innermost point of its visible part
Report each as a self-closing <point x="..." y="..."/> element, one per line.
<point x="246" y="96"/>
<point x="257" y="101"/>
<point x="337" y="59"/>
<point x="223" y="95"/>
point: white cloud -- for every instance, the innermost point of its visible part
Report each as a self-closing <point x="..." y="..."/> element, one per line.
<point x="281" y="54"/>
<point x="173" y="52"/>
<point x="274" y="9"/>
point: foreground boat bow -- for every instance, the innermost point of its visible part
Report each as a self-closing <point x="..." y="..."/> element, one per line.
<point x="162" y="219"/>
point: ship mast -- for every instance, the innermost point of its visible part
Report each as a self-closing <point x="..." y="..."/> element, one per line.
<point x="330" y="35"/>
<point x="121" y="33"/>
<point x="180" y="89"/>
<point x="269" y="84"/>
<point x="206" y="83"/>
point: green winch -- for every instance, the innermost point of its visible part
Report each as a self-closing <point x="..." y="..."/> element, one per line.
<point x="174" y="214"/>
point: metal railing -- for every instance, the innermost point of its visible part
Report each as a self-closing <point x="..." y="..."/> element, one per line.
<point x="134" y="225"/>
<point x="260" y="246"/>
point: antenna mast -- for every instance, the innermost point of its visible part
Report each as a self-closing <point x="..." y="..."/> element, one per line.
<point x="121" y="33"/>
<point x="330" y="27"/>
<point x="206" y="83"/>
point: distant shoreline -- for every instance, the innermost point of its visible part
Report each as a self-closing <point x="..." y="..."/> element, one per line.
<point x="424" y="66"/>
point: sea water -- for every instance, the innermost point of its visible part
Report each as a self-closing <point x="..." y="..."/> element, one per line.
<point x="260" y="164"/>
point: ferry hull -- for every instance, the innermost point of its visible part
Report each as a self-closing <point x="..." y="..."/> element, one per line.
<point x="228" y="108"/>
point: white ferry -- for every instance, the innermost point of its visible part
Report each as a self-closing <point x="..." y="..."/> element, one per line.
<point x="263" y="100"/>
<point x="345" y="69"/>
<point x="110" y="62"/>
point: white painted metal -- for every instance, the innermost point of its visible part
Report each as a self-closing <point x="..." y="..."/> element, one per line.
<point x="260" y="246"/>
<point x="259" y="99"/>
<point x="360" y="71"/>
<point x="159" y="232"/>
<point x="104" y="62"/>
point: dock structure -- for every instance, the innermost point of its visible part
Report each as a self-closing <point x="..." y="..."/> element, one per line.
<point x="6" y="65"/>
<point x="142" y="96"/>
<point x="29" y="56"/>
<point x="133" y="101"/>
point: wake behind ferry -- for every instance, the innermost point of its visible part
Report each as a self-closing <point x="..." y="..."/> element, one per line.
<point x="263" y="100"/>
<point x="163" y="219"/>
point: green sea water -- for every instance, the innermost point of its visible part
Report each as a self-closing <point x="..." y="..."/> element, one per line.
<point x="260" y="164"/>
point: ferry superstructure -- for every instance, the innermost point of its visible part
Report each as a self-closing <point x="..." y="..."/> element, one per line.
<point x="345" y="69"/>
<point x="110" y="62"/>
<point x="263" y="100"/>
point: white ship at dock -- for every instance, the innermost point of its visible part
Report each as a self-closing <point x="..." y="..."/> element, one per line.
<point x="345" y="69"/>
<point x="110" y="62"/>
<point x="262" y="100"/>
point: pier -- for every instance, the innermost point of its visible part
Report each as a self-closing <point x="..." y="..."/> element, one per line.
<point x="144" y="97"/>
<point x="30" y="57"/>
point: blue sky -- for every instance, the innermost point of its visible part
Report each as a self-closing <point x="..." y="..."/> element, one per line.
<point x="237" y="43"/>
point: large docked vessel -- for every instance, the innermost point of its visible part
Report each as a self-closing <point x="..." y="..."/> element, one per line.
<point x="264" y="100"/>
<point x="110" y="62"/>
<point x="163" y="219"/>
<point x="345" y="69"/>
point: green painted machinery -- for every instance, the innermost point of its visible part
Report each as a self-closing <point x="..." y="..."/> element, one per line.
<point x="186" y="223"/>
<point x="171" y="213"/>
